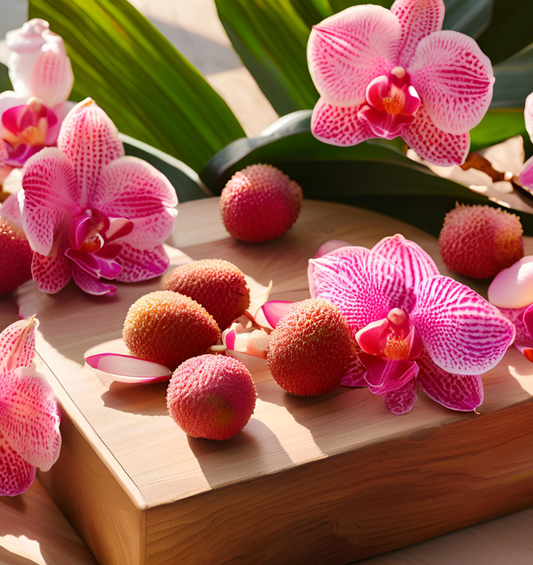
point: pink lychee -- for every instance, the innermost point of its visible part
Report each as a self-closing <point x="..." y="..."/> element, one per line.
<point x="15" y="257"/>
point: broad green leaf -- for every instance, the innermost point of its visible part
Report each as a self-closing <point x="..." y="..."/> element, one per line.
<point x="313" y="11"/>
<point x="149" y="90"/>
<point x="5" y="83"/>
<point x="468" y="16"/>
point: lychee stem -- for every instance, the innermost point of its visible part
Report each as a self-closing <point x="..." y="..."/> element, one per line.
<point x="255" y="324"/>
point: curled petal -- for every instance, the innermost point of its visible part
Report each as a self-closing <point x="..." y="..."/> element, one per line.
<point x="16" y="475"/>
<point x="338" y="125"/>
<point x="457" y="392"/>
<point x="128" y="369"/>
<point x="526" y="349"/>
<point x="96" y="265"/>
<point x="433" y="144"/>
<point x="513" y="287"/>
<point x="373" y="338"/>
<point x="526" y="175"/>
<point x="462" y="332"/>
<point x="355" y="374"/>
<point x="528" y="115"/>
<point x="384" y="375"/>
<point x="402" y="400"/>
<point x="454" y="80"/>
<point x="90" y="284"/>
<point x="330" y="246"/>
<point x="347" y="50"/>
<point x="51" y="273"/>
<point x="275" y="310"/>
<point x="229" y="338"/>
<point x="17" y="344"/>
<point x="141" y="264"/>
<point x="29" y="417"/>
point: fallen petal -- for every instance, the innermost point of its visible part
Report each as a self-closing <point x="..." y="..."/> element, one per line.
<point x="330" y="246"/>
<point x="275" y="310"/>
<point x="128" y="369"/>
<point x="513" y="287"/>
<point x="17" y="344"/>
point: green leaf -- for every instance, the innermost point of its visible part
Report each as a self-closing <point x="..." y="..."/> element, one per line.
<point x="5" y="83"/>
<point x="148" y="89"/>
<point x="468" y="16"/>
<point x="374" y="175"/>
<point x="313" y="11"/>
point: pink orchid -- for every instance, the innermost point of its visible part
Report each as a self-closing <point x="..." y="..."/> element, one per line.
<point x="386" y="74"/>
<point x="413" y="325"/>
<point x="90" y="213"/>
<point x="42" y="78"/>
<point x="526" y="176"/>
<point x="29" y="416"/>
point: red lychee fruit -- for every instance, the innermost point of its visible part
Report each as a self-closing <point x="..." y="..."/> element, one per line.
<point x="168" y="328"/>
<point x="219" y="286"/>
<point x="15" y="257"/>
<point x="311" y="348"/>
<point x="260" y="203"/>
<point x="211" y="397"/>
<point x="479" y="241"/>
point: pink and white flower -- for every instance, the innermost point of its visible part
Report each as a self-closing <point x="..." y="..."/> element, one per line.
<point x="389" y="73"/>
<point x="29" y="416"/>
<point x="92" y="214"/>
<point x="413" y="325"/>
<point x="526" y="176"/>
<point x="42" y="78"/>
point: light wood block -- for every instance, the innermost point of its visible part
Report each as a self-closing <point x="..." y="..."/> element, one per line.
<point x="322" y="480"/>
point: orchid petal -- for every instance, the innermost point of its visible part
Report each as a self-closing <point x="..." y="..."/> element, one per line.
<point x="16" y="475"/>
<point x="513" y="287"/>
<point x="526" y="175"/>
<point x="141" y="264"/>
<point x="418" y="20"/>
<point x="516" y="317"/>
<point x="355" y="374"/>
<point x="336" y="125"/>
<point x="51" y="273"/>
<point x="454" y="80"/>
<point x="461" y="331"/>
<point x="527" y="319"/>
<point x="94" y="265"/>
<point x="229" y="338"/>
<point x="373" y="338"/>
<point x="385" y="375"/>
<point x="128" y="369"/>
<point x="49" y="198"/>
<point x="528" y="115"/>
<point x="90" y="140"/>
<point x="275" y="310"/>
<point x="61" y="112"/>
<point x="90" y="284"/>
<point x="9" y="99"/>
<point x="119" y="227"/>
<point x="433" y="144"/>
<point x="526" y="349"/>
<point x="10" y="210"/>
<point x="402" y="400"/>
<point x="364" y="285"/>
<point x="347" y="50"/>
<point x="17" y="344"/>
<point x="330" y="246"/>
<point x="29" y="417"/>
<point x="416" y="345"/>
<point x="457" y="392"/>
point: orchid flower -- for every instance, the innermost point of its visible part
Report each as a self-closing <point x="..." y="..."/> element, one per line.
<point x="90" y="213"/>
<point x="412" y="325"/>
<point x="386" y="74"/>
<point x="512" y="292"/>
<point x="42" y="78"/>
<point x="526" y="176"/>
<point x="29" y="416"/>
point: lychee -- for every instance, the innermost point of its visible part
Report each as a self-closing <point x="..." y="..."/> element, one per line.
<point x="15" y="257"/>
<point x="311" y="348"/>
<point x="168" y="328"/>
<point x="479" y="241"/>
<point x="219" y="286"/>
<point x="260" y="203"/>
<point x="211" y="396"/>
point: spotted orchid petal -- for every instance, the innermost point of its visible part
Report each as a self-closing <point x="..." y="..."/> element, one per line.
<point x="355" y="374"/>
<point x="16" y="475"/>
<point x="336" y="125"/>
<point x="418" y="20"/>
<point x="402" y="400"/>
<point x="527" y="320"/>
<point x="49" y="197"/>
<point x="141" y="264"/>
<point x="528" y="115"/>
<point x="91" y="285"/>
<point x="51" y="273"/>
<point x="516" y="317"/>
<point x="128" y="369"/>
<point x="275" y="310"/>
<point x="329" y="246"/>
<point x="461" y="331"/>
<point x="134" y="189"/>
<point x="347" y="50"/>
<point x="434" y="145"/>
<point x="384" y="375"/>
<point x="513" y="287"/>
<point x="17" y="345"/>
<point x="454" y="79"/>
<point x="457" y="392"/>
<point x="90" y="140"/>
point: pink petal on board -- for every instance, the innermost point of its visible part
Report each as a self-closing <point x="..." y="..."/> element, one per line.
<point x="526" y="349"/>
<point x="347" y="50"/>
<point x="331" y="245"/>
<point x="528" y="115"/>
<point x="90" y="284"/>
<point x="141" y="264"/>
<point x="336" y="125"/>
<point x="17" y="344"/>
<point x="434" y="145"/>
<point x="513" y="287"/>
<point x="49" y="199"/>
<point x="16" y="475"/>
<point x="90" y="140"/>
<point x="384" y="375"/>
<point x="457" y="392"/>
<point x="402" y="400"/>
<point x="275" y="310"/>
<point x="418" y="20"/>
<point x="29" y="417"/>
<point x="355" y="374"/>
<point x="128" y="369"/>
<point x="10" y="210"/>
<point x="364" y="285"/>
<point x="136" y="190"/>
<point x="526" y="175"/>
<point x="454" y="79"/>
<point x="461" y="331"/>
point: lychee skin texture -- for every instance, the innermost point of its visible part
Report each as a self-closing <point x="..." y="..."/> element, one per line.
<point x="168" y="328"/>
<point x="479" y="241"/>
<point x="310" y="349"/>
<point x="211" y="397"/>
<point x="15" y="257"/>
<point x="260" y="203"/>
<point x="219" y="286"/>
